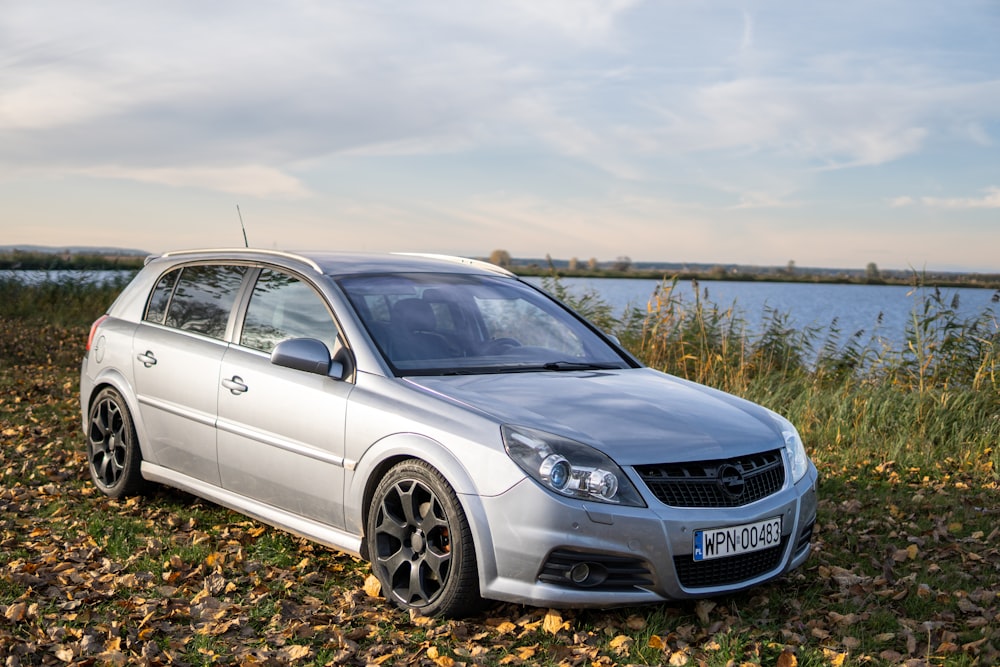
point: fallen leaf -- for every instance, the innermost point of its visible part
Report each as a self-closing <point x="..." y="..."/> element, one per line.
<point x="553" y="622"/>
<point x="635" y="622"/>
<point x="621" y="644"/>
<point x="295" y="652"/>
<point x="16" y="612"/>
<point x="373" y="587"/>
<point x="834" y="658"/>
<point x="679" y="658"/>
<point x="506" y="627"/>
<point x="787" y="659"/>
<point x="703" y="608"/>
<point x="526" y="652"/>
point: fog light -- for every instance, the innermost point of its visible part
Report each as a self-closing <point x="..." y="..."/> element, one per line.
<point x="579" y="573"/>
<point x="587" y="575"/>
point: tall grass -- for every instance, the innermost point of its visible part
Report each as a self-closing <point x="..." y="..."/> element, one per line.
<point x="64" y="300"/>
<point x="931" y="404"/>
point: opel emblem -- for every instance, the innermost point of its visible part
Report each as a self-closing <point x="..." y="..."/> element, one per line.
<point x="731" y="480"/>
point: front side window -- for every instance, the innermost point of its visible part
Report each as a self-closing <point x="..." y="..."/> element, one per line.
<point x="429" y="324"/>
<point x="203" y="299"/>
<point x="282" y="307"/>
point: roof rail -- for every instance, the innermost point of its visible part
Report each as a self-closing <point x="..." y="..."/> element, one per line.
<point x="248" y="251"/>
<point x="478" y="263"/>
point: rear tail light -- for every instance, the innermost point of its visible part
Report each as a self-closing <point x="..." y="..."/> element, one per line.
<point x="93" y="330"/>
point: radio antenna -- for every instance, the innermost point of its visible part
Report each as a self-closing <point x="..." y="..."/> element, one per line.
<point x="242" y="226"/>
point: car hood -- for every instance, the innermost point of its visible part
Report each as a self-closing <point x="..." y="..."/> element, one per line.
<point x="634" y="415"/>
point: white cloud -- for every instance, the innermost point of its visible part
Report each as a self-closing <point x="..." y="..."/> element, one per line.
<point x="252" y="180"/>
<point x="51" y="99"/>
<point x="750" y="200"/>
<point x="990" y="200"/>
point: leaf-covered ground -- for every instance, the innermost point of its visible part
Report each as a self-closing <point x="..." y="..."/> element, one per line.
<point x="906" y="570"/>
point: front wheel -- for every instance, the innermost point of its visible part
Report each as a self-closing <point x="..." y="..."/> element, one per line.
<point x="420" y="543"/>
<point x="113" y="454"/>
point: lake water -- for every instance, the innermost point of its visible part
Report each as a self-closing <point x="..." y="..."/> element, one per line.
<point x="76" y="275"/>
<point x="880" y="310"/>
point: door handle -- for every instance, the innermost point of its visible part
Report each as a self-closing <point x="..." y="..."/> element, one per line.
<point x="147" y="358"/>
<point x="235" y="385"/>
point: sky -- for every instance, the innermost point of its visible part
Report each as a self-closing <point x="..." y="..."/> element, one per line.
<point x="828" y="134"/>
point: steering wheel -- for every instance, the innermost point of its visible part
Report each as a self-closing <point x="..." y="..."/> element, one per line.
<point x="500" y="345"/>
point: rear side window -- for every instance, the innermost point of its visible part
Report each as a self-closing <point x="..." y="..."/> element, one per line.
<point x="160" y="298"/>
<point x="202" y="298"/>
<point x="282" y="307"/>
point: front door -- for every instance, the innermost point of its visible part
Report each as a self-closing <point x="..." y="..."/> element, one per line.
<point x="281" y="431"/>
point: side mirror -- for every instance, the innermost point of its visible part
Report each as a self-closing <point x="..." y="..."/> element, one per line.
<point x="306" y="354"/>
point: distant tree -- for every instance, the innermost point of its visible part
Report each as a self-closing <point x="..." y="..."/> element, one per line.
<point x="622" y="263"/>
<point x="871" y="271"/>
<point x="791" y="267"/>
<point x="574" y="264"/>
<point x="500" y="258"/>
<point x="592" y="264"/>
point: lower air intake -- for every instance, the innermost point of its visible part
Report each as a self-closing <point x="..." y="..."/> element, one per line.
<point x="727" y="571"/>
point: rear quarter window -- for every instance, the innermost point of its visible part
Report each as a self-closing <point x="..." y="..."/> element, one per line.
<point x="196" y="298"/>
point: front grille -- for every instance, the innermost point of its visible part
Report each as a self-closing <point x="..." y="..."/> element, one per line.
<point x="727" y="571"/>
<point x="722" y="483"/>
<point x="623" y="573"/>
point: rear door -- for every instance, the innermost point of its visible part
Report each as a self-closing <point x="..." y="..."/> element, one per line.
<point x="176" y="355"/>
<point x="281" y="431"/>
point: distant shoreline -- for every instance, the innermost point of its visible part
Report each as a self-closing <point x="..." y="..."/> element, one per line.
<point x="38" y="259"/>
<point x="984" y="281"/>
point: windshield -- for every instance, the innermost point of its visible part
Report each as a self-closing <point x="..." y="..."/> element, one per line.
<point x="439" y="324"/>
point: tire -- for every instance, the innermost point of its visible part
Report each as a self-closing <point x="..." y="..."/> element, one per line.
<point x="113" y="454"/>
<point x="420" y="543"/>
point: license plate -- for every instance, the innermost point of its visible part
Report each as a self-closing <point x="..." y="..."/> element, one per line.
<point x="735" y="540"/>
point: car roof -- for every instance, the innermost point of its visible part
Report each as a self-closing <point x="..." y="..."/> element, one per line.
<point x="344" y="263"/>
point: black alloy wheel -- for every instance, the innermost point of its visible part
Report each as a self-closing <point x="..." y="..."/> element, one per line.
<point x="113" y="453"/>
<point x="420" y="543"/>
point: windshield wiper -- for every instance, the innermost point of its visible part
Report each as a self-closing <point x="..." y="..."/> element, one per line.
<point x="526" y="368"/>
<point x="580" y="366"/>
<point x="559" y="366"/>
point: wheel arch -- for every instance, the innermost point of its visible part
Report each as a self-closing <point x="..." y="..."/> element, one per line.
<point x="116" y="380"/>
<point x="395" y="449"/>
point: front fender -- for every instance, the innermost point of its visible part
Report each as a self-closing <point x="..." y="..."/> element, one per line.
<point x="400" y="446"/>
<point x="365" y="473"/>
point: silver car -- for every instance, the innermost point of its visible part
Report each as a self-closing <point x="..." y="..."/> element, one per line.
<point x="457" y="427"/>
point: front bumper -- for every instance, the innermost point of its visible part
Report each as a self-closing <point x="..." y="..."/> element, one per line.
<point x="642" y="554"/>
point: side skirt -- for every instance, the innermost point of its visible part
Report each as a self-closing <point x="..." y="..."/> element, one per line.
<point x="307" y="528"/>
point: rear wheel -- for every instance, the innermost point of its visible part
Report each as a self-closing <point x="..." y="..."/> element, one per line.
<point x="113" y="454"/>
<point x="420" y="543"/>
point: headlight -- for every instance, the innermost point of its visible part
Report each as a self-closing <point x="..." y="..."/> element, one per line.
<point x="568" y="467"/>
<point x="793" y="445"/>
